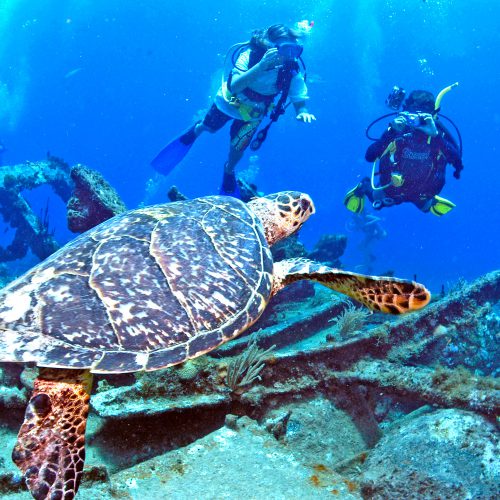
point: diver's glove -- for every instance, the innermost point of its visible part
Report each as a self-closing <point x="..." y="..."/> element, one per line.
<point x="458" y="169"/>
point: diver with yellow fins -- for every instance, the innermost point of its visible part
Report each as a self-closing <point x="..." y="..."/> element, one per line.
<point x="411" y="155"/>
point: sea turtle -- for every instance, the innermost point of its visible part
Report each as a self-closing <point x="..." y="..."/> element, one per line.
<point x="145" y="290"/>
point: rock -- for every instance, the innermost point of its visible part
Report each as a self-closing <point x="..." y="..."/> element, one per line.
<point x="12" y="397"/>
<point x="231" y="421"/>
<point x="288" y="248"/>
<point x="471" y="341"/>
<point x="329" y="249"/>
<point x="244" y="462"/>
<point x="446" y="454"/>
<point x="12" y="485"/>
<point x="317" y="432"/>
<point x="175" y="195"/>
<point x="93" y="200"/>
<point x="28" y="376"/>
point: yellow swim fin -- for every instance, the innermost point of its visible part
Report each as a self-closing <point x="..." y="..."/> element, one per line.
<point x="441" y="206"/>
<point x="354" y="200"/>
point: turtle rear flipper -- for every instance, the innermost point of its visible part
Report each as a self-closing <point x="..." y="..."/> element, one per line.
<point x="50" y="448"/>
<point x="385" y="294"/>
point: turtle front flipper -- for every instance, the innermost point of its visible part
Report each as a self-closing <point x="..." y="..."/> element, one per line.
<point x="385" y="294"/>
<point x="50" y="448"/>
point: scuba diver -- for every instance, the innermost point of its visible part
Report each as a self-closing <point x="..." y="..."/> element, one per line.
<point x="262" y="69"/>
<point x="412" y="155"/>
<point x="370" y="226"/>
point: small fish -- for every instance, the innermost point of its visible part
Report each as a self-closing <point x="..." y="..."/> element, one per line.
<point x="73" y="72"/>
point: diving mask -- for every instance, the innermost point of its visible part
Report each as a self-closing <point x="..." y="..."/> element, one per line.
<point x="290" y="51"/>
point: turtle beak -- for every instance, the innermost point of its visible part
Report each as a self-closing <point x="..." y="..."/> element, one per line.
<point x="303" y="211"/>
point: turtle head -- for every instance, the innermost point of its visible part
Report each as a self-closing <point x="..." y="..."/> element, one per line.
<point x="282" y="213"/>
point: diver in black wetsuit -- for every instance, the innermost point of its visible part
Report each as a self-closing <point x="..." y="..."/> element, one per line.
<point x="412" y="153"/>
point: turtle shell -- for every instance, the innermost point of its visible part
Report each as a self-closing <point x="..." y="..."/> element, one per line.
<point x="144" y="290"/>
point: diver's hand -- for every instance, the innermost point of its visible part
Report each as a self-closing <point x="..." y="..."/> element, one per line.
<point x="306" y="117"/>
<point x="398" y="124"/>
<point x="270" y="60"/>
<point x="427" y="125"/>
<point x="458" y="169"/>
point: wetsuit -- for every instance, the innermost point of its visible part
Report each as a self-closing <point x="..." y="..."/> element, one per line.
<point x="421" y="163"/>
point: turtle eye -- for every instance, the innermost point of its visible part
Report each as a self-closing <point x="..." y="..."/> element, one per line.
<point x="40" y="404"/>
<point x="305" y="204"/>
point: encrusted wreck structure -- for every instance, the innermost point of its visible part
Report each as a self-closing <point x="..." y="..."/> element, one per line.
<point x="88" y="196"/>
<point x="31" y="231"/>
<point x="342" y="401"/>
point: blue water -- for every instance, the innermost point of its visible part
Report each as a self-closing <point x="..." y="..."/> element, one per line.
<point x="108" y="83"/>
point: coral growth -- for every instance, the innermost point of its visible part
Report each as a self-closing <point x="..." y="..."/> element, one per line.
<point x="350" y="321"/>
<point x="246" y="367"/>
<point x="93" y="200"/>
